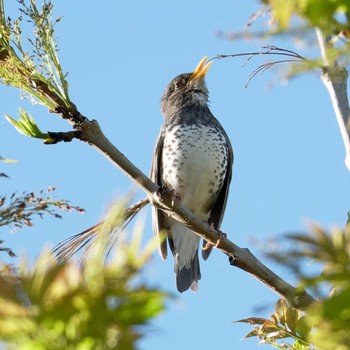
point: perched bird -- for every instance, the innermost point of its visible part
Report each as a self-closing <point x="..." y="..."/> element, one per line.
<point x="193" y="158"/>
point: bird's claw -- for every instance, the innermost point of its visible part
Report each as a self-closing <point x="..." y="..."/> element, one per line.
<point x="207" y="246"/>
<point x="165" y="192"/>
<point x="220" y="234"/>
<point x="174" y="196"/>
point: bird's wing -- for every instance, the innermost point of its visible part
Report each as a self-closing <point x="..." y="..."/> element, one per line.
<point x="218" y="210"/>
<point x="158" y="215"/>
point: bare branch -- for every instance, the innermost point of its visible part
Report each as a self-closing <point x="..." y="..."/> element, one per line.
<point x="265" y="50"/>
<point x="9" y="251"/>
<point x="264" y="67"/>
<point x="67" y="136"/>
<point x="335" y="78"/>
<point x="242" y="258"/>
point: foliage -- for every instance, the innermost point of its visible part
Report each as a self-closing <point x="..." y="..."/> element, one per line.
<point x="95" y="305"/>
<point x="27" y="126"/>
<point x="326" y="323"/>
<point x="38" y="71"/>
<point x="286" y="322"/>
<point x="82" y="241"/>
<point x="299" y="20"/>
<point x="17" y="211"/>
<point x="331" y="16"/>
<point x="329" y="318"/>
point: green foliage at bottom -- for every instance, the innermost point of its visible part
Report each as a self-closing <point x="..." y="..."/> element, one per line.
<point x="285" y="329"/>
<point x="326" y="323"/>
<point x="98" y="304"/>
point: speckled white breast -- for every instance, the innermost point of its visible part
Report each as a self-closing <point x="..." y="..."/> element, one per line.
<point x="194" y="165"/>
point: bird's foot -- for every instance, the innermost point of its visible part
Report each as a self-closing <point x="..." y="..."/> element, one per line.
<point x="221" y="235"/>
<point x="174" y="196"/>
<point x="207" y="246"/>
<point x="165" y="192"/>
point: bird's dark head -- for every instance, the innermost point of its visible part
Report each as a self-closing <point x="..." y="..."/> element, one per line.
<point x="186" y="89"/>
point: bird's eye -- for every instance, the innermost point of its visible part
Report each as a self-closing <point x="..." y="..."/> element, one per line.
<point x="181" y="83"/>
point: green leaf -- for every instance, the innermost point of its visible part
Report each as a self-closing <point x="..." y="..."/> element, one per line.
<point x="27" y="126"/>
<point x="331" y="321"/>
<point x="281" y="308"/>
<point x="292" y="317"/>
<point x="253" y="320"/>
<point x="283" y="11"/>
<point x="303" y="328"/>
<point x="36" y="71"/>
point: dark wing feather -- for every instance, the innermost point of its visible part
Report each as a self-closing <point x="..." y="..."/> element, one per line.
<point x="158" y="215"/>
<point x="218" y="210"/>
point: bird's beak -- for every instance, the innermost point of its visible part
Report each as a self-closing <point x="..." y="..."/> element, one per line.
<point x="201" y="69"/>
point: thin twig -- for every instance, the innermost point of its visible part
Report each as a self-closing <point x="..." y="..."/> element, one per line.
<point x="269" y="50"/>
<point x="265" y="50"/>
<point x="264" y="67"/>
<point x="66" y="136"/>
<point x="72" y="245"/>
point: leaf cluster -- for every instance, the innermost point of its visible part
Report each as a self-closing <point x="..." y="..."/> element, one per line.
<point x="27" y="126"/>
<point x="331" y="316"/>
<point x="37" y="72"/>
<point x="325" y="323"/>
<point x="18" y="210"/>
<point x="95" y="305"/>
<point x="285" y="324"/>
<point x="331" y="16"/>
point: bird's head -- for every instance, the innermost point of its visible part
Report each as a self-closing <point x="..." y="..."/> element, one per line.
<point x="186" y="89"/>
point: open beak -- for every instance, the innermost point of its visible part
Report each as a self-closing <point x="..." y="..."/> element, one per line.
<point x="201" y="69"/>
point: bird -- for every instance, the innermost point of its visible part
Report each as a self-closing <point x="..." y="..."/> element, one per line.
<point x="193" y="158"/>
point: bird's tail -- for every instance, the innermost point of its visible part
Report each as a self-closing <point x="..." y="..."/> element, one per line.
<point x="188" y="276"/>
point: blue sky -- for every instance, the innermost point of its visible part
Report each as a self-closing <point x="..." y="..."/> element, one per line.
<point x="289" y="158"/>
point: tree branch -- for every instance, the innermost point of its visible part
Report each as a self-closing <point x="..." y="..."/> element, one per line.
<point x="66" y="136"/>
<point x="335" y="77"/>
<point x="242" y="258"/>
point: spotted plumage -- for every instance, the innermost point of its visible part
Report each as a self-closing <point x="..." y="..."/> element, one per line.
<point x="193" y="157"/>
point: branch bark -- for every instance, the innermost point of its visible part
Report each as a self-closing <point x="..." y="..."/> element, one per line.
<point x="335" y="77"/>
<point x="241" y="258"/>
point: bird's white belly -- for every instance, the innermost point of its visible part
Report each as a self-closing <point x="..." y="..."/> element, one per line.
<point x="194" y="161"/>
